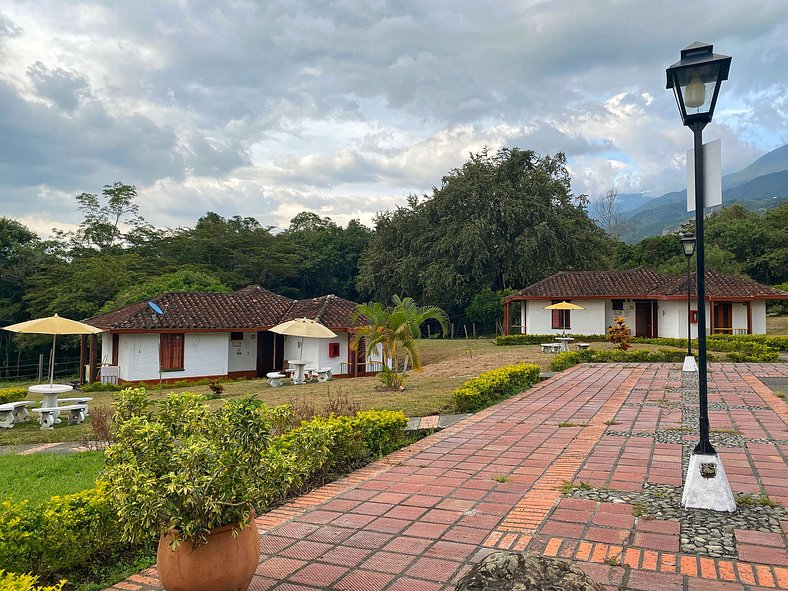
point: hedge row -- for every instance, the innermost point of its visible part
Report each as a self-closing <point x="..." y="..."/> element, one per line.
<point x="12" y="394"/>
<point x="493" y="386"/>
<point x="14" y="582"/>
<point x="567" y="359"/>
<point x="65" y="534"/>
<point x="537" y="339"/>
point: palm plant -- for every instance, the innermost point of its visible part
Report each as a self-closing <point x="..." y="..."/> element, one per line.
<point x="395" y="329"/>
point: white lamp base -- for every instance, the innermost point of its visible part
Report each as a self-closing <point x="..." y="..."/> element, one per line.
<point x="706" y="485"/>
<point x="690" y="364"/>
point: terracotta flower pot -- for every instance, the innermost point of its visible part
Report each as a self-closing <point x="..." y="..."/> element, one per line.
<point x="225" y="563"/>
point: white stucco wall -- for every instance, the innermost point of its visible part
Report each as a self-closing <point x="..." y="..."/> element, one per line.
<point x="759" y="317"/>
<point x="590" y="320"/>
<point x="204" y="354"/>
<point x="242" y="355"/>
<point x="316" y="351"/>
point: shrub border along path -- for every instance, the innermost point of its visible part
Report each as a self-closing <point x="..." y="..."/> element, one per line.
<point x="420" y="517"/>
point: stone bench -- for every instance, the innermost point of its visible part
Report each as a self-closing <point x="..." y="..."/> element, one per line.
<point x="582" y="346"/>
<point x="12" y="413"/>
<point x="275" y="378"/>
<point x="551" y="347"/>
<point x="321" y="374"/>
<point x="78" y="400"/>
<point x="48" y="416"/>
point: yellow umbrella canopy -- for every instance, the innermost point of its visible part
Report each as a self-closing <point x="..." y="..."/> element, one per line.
<point x="303" y="327"/>
<point x="53" y="325"/>
<point x="564" y="306"/>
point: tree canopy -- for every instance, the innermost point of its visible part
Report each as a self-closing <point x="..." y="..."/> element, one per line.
<point x="502" y="220"/>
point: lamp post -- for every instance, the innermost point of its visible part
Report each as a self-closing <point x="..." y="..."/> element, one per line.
<point x="695" y="80"/>
<point x="688" y="244"/>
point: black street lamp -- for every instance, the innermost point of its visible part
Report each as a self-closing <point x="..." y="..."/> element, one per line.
<point x="688" y="244"/>
<point x="696" y="81"/>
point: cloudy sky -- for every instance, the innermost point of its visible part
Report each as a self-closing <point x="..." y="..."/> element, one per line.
<point x="266" y="108"/>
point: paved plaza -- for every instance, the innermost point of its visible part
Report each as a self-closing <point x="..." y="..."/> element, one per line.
<point x="617" y="433"/>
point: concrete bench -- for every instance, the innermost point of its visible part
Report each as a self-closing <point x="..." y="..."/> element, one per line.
<point x="275" y="378"/>
<point x="582" y="346"/>
<point x="321" y="374"/>
<point x="551" y="347"/>
<point x="12" y="413"/>
<point x="76" y="412"/>
<point x="78" y="400"/>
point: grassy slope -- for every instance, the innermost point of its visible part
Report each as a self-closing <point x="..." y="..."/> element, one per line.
<point x="36" y="477"/>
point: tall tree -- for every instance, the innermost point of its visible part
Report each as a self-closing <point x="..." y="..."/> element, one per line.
<point x="105" y="218"/>
<point x="329" y="254"/>
<point x="503" y="220"/>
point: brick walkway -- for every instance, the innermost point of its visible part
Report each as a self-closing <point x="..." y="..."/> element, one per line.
<point x="419" y="518"/>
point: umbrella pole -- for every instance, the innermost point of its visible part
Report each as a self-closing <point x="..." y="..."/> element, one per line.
<point x="52" y="361"/>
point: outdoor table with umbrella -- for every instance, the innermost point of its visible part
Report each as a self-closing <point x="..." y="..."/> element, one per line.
<point x="564" y="306"/>
<point x="302" y="327"/>
<point x="54" y="325"/>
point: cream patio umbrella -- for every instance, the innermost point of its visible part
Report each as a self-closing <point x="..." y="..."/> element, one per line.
<point x="303" y="327"/>
<point x="53" y="325"/>
<point x="564" y="306"/>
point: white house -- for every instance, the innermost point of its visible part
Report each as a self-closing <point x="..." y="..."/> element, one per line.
<point x="654" y="304"/>
<point x="178" y="336"/>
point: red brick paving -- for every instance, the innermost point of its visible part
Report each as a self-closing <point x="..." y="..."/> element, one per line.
<point x="419" y="518"/>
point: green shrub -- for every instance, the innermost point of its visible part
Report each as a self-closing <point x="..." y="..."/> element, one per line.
<point x="14" y="582"/>
<point x="13" y="394"/>
<point x="60" y="534"/>
<point x="493" y="386"/>
<point x="538" y="339"/>
<point x="326" y="447"/>
<point x="101" y="387"/>
<point x="567" y="359"/>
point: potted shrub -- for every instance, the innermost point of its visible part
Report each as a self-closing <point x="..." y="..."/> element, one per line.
<point x="192" y="477"/>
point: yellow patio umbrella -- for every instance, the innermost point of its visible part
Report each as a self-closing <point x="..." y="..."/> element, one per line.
<point x="564" y="306"/>
<point x="303" y="327"/>
<point x="53" y="325"/>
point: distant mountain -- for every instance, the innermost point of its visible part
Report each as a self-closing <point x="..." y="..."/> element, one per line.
<point x="630" y="201"/>
<point x="774" y="161"/>
<point x="760" y="186"/>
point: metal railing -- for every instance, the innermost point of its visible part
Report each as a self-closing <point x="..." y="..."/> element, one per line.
<point x="37" y="370"/>
<point x="728" y="330"/>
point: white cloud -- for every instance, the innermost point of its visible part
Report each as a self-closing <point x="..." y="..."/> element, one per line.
<point x="265" y="109"/>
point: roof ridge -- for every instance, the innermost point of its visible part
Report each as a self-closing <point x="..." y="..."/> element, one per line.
<point x="319" y="315"/>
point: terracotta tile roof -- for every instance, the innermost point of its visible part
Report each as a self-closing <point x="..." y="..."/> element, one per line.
<point x="330" y="310"/>
<point x="576" y="284"/>
<point x="643" y="283"/>
<point x="250" y="308"/>
<point x="722" y="285"/>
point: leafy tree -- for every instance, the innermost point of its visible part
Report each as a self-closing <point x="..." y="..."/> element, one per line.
<point x="486" y="308"/>
<point x="21" y="252"/>
<point x="102" y="227"/>
<point x="238" y="251"/>
<point x="503" y="220"/>
<point x="185" y="280"/>
<point x="79" y="288"/>
<point x="395" y="329"/>
<point x="329" y="254"/>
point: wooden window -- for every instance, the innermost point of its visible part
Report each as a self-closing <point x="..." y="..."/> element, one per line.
<point x="333" y="349"/>
<point x="560" y="318"/>
<point x="171" y="352"/>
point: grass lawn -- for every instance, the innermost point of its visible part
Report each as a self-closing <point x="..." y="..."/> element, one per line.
<point x="36" y="477"/>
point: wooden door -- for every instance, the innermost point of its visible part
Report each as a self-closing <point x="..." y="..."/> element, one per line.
<point x="643" y="319"/>
<point x="723" y="317"/>
<point x="270" y="353"/>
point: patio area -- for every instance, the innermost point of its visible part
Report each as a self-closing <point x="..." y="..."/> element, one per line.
<point x="419" y="518"/>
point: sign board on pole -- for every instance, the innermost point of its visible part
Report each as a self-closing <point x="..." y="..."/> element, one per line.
<point x="712" y="175"/>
